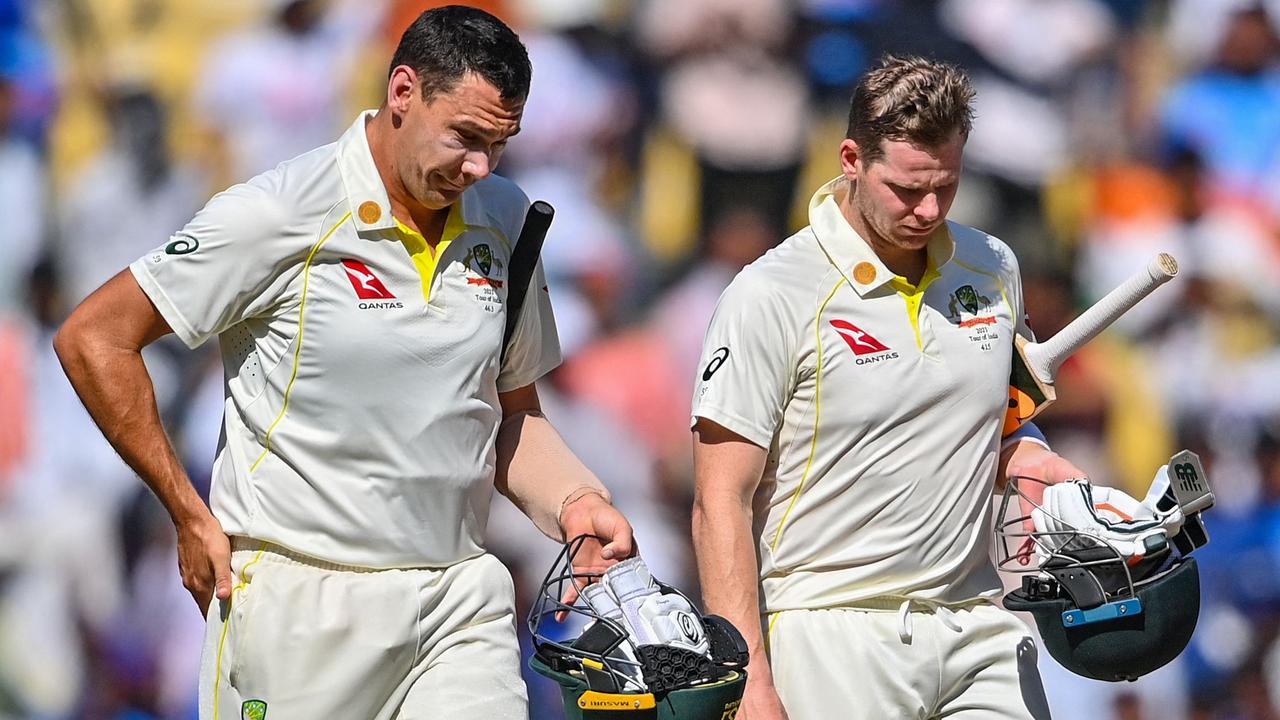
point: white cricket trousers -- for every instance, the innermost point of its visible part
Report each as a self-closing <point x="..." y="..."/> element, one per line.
<point x="916" y="662"/>
<point x="302" y="639"/>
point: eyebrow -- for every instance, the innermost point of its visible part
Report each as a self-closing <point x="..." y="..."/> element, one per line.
<point x="481" y="131"/>
<point x="916" y="186"/>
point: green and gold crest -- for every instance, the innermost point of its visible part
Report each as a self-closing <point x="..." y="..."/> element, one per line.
<point x="484" y="259"/>
<point x="969" y="299"/>
<point x="253" y="710"/>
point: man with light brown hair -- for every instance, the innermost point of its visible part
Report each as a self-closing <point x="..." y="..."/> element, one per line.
<point x="847" y="435"/>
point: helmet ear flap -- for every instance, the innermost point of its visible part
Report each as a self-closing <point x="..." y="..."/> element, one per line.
<point x="728" y="647"/>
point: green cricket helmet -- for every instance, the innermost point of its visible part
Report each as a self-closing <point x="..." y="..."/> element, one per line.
<point x="1108" y="579"/>
<point x="632" y="647"/>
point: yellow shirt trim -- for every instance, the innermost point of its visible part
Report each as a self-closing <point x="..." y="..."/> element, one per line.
<point x="914" y="295"/>
<point x="817" y="416"/>
<point x="297" y="348"/>
<point x="425" y="257"/>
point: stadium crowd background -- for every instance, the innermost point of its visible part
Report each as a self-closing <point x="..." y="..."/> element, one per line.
<point x="678" y="140"/>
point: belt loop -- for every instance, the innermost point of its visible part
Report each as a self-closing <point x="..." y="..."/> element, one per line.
<point x="904" y="622"/>
<point x="948" y="618"/>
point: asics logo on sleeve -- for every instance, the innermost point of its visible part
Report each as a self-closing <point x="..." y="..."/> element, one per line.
<point x="718" y="359"/>
<point x="366" y="284"/>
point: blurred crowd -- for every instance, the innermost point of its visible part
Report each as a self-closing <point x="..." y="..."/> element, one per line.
<point x="678" y="141"/>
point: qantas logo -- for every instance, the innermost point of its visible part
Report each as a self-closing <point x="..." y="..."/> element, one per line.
<point x="862" y="343"/>
<point x="859" y="341"/>
<point x="366" y="284"/>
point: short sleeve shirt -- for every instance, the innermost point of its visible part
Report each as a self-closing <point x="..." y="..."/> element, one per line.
<point x="360" y="416"/>
<point x="880" y="403"/>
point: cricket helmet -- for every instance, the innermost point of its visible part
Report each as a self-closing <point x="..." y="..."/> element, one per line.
<point x="641" y="651"/>
<point x="1108" y="579"/>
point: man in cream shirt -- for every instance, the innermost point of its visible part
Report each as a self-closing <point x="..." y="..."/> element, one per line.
<point x="847" y="424"/>
<point x="358" y="295"/>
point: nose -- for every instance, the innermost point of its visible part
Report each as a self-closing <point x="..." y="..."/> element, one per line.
<point x="476" y="165"/>
<point x="928" y="209"/>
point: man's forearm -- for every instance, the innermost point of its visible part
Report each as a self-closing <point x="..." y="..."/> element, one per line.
<point x="539" y="473"/>
<point x="728" y="571"/>
<point x="116" y="389"/>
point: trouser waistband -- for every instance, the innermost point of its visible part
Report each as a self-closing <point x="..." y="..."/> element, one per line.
<point x="283" y="554"/>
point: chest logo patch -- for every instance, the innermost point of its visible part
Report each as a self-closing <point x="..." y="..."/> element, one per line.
<point x="480" y="260"/>
<point x="366" y="284"/>
<point x="966" y="307"/>
<point x="868" y="349"/>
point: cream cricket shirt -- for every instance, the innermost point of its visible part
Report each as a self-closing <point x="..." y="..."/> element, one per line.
<point x="362" y="396"/>
<point x="881" y="406"/>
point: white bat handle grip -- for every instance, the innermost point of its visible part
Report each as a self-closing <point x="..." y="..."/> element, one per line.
<point x="1044" y="358"/>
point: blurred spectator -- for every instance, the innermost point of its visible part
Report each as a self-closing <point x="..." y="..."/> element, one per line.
<point x="272" y="93"/>
<point x="1225" y="240"/>
<point x="22" y="203"/>
<point x="1229" y="112"/>
<point x="61" y="564"/>
<point x="731" y="94"/>
<point x="660" y="356"/>
<point x="1128" y="706"/>
<point x="1031" y="60"/>
<point x="575" y="116"/>
<point x="26" y="66"/>
<point x="128" y="199"/>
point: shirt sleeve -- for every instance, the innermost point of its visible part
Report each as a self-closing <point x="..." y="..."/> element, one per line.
<point x="534" y="349"/>
<point x="747" y="363"/>
<point x="1013" y="280"/>
<point x="229" y="263"/>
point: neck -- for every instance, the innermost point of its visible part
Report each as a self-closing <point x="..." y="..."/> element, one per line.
<point x="906" y="262"/>
<point x="428" y="222"/>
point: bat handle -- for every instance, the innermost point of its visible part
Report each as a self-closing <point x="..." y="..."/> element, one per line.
<point x="1045" y="358"/>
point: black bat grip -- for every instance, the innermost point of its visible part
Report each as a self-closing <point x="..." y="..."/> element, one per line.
<point x="524" y="258"/>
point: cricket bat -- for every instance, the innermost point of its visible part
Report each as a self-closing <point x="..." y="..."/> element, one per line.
<point x="524" y="260"/>
<point x="1035" y="364"/>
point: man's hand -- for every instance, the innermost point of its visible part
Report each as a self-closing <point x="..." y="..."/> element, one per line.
<point x="760" y="700"/>
<point x="1032" y="460"/>
<point x="592" y="515"/>
<point x="204" y="560"/>
<point x="1029" y="459"/>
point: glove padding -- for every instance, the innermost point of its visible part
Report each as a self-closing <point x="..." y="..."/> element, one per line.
<point x="670" y="648"/>
<point x="1081" y="516"/>
<point x="652" y="616"/>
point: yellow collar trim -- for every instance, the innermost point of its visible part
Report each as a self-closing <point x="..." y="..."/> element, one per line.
<point x="425" y="257"/>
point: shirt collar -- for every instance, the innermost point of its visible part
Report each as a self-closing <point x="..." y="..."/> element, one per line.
<point x="849" y="253"/>
<point x="367" y="194"/>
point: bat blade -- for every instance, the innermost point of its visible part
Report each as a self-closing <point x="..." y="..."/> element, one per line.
<point x="1028" y="394"/>
<point x="1035" y="365"/>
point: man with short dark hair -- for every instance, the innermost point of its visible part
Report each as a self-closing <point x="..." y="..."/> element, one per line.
<point x="847" y="435"/>
<point x="358" y="294"/>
